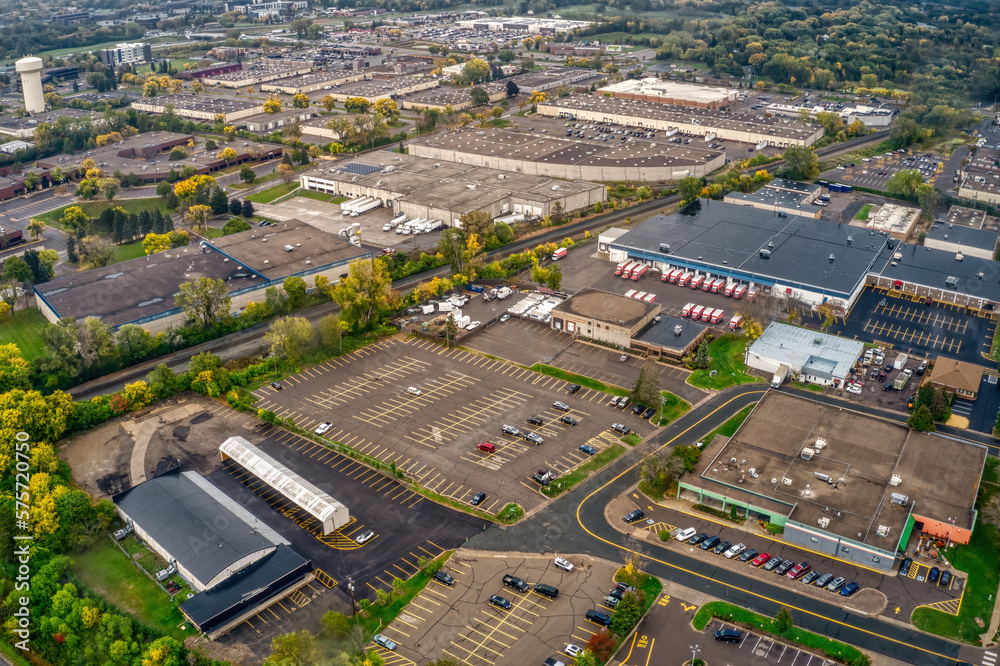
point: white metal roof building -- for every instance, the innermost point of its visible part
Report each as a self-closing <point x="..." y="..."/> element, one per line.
<point x="820" y="358"/>
<point x="331" y="513"/>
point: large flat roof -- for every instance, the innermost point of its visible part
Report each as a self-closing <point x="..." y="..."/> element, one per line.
<point x="204" y="103"/>
<point x="605" y="306"/>
<point x="982" y="239"/>
<point x="725" y="237"/>
<point x="654" y="87"/>
<point x="932" y="267"/>
<point x="196" y="523"/>
<point x="939" y="475"/>
<point x="708" y="118"/>
<point x="672" y="333"/>
<point x="818" y="354"/>
<point x="532" y="147"/>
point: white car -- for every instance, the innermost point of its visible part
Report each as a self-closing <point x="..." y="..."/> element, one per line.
<point x="323" y="428"/>
<point x="573" y="650"/>
<point x="855" y="389"/>
<point x="365" y="536"/>
<point x="413" y="390"/>
<point x="733" y="551"/>
<point x="472" y="325"/>
<point x="564" y="564"/>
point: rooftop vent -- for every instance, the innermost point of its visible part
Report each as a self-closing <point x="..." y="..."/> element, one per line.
<point x="678" y="329"/>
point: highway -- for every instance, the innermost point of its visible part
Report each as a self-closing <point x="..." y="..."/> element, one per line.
<point x="575" y="523"/>
<point x="249" y="340"/>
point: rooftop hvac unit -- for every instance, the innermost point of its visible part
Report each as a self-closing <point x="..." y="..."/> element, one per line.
<point x="774" y="481"/>
<point x="753" y="472"/>
<point x="882" y="531"/>
<point x="785" y="481"/>
<point x="807" y="453"/>
<point x="895" y="480"/>
<point x="765" y="254"/>
<point x="678" y="329"/>
<point x="900" y="499"/>
<point x="820" y="444"/>
<point x="822" y="477"/>
<point x="823" y="522"/>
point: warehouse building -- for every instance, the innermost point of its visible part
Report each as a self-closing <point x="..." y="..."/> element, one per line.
<point x="307" y="83"/>
<point x="672" y="338"/>
<point x="376" y="89"/>
<point x="603" y="317"/>
<point x="141" y="291"/>
<point x="524" y="24"/>
<point x="235" y="563"/>
<point x="786" y="255"/>
<point x="421" y="187"/>
<point x="553" y="77"/>
<point x="265" y="123"/>
<point x="964" y="240"/>
<point x="897" y="221"/>
<point x="732" y="126"/>
<point x="256" y="72"/>
<point x="812" y="357"/>
<point x="841" y="483"/>
<point x="559" y="157"/>
<point x="787" y="196"/>
<point x="201" y="107"/>
<point x="665" y="91"/>
<point x="981" y="178"/>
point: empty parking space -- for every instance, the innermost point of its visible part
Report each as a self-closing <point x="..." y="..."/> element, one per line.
<point x="458" y="401"/>
<point x="756" y="648"/>
<point x="905" y="323"/>
<point x="459" y="622"/>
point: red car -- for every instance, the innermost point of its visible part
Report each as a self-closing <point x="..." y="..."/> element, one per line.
<point x="798" y="570"/>
<point x="760" y="559"/>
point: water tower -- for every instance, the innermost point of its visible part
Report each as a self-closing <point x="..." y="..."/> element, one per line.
<point x="30" y="70"/>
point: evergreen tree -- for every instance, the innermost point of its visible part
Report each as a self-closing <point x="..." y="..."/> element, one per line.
<point x="117" y="229"/>
<point x="168" y="223"/>
<point x="235" y="206"/>
<point x="158" y="224"/>
<point x="219" y="201"/>
<point x="287" y="159"/>
<point x="247" y="210"/>
<point x="131" y="224"/>
<point x="71" y="255"/>
<point x="701" y="357"/>
<point x="145" y="223"/>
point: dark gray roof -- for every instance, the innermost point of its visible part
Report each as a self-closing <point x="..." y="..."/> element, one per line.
<point x="663" y="334"/>
<point x="983" y="239"/>
<point x="794" y="185"/>
<point x="195" y="522"/>
<point x="726" y="239"/>
<point x="929" y="267"/>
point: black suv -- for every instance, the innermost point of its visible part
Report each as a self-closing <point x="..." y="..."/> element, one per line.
<point x="442" y="577"/>
<point x="574" y="389"/>
<point x="634" y="516"/>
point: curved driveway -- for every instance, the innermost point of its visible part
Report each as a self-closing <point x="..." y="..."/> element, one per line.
<point x="575" y="523"/>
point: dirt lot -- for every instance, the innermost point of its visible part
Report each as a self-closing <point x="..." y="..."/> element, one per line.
<point x="459" y="622"/>
<point x="463" y="400"/>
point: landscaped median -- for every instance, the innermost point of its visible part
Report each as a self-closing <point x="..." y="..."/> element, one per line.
<point x="727" y="367"/>
<point x="581" y="473"/>
<point x="781" y="628"/>
<point x="586" y="382"/>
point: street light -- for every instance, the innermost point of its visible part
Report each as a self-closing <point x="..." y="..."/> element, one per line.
<point x="663" y="399"/>
<point x="694" y="651"/>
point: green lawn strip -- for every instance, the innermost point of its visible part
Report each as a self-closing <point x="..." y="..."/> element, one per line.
<point x="815" y="388"/>
<point x="265" y="179"/>
<point x="129" y="251"/>
<point x="570" y="479"/>
<point x="14" y="655"/>
<point x="24" y="329"/>
<point x="673" y="407"/>
<point x="724" y="611"/>
<point x="632" y="439"/>
<point x="94" y="208"/>
<point x="378" y="618"/>
<point x="727" y="362"/>
<point x="729" y="428"/>
<point x="103" y="568"/>
<point x="319" y="196"/>
<point x="863" y="213"/>
<point x="212" y="232"/>
<point x="579" y="379"/>
<point x="269" y="195"/>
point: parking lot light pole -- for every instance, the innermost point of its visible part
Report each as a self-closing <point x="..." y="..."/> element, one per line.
<point x="694" y="651"/>
<point x="663" y="399"/>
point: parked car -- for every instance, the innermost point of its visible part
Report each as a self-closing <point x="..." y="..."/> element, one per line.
<point x="836" y="584"/>
<point x="536" y="420"/>
<point x="365" y="536"/>
<point x="598" y="617"/>
<point x="721" y="547"/>
<point x="648" y="414"/>
<point x="442" y="577"/>
<point x="933" y="575"/>
<point x="728" y="635"/>
<point x="904" y="566"/>
<point x="478" y="499"/>
<point x="276" y="386"/>
<point x="504" y="317"/>
<point x="697" y="538"/>
<point x="588" y="449"/>
<point x="323" y="428"/>
<point x="849" y="589"/>
<point x="563" y="564"/>
<point x="823" y="580"/>
<point x="615" y="400"/>
<point x="809" y="577"/>
<point x="561" y="406"/>
<point x="638" y="408"/>
<point x="625" y="402"/>
<point x="500" y="602"/>
<point x="945" y="579"/>
<point x="633" y="516"/>
<point x="534" y="438"/>
<point x="573" y="650"/>
<point x="387" y="643"/>
<point x="569" y="420"/>
<point x="413" y="390"/>
<point x="515" y="583"/>
<point x="772" y="563"/>
<point x="761" y="559"/>
<point x="783" y="568"/>
<point x="798" y="570"/>
<point x="710" y="542"/>
<point x="574" y="389"/>
<point x="620" y="428"/>
<point x="747" y="555"/>
<point x="734" y="550"/>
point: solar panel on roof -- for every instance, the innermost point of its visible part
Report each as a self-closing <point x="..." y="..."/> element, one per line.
<point x="361" y="169"/>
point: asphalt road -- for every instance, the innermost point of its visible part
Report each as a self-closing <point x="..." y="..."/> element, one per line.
<point x="575" y="523"/>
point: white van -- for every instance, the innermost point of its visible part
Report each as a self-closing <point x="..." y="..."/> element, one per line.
<point x="684" y="535"/>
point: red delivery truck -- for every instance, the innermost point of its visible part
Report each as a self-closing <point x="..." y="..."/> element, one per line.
<point x="620" y="267"/>
<point x="730" y="288"/>
<point x="697" y="311"/>
<point x="640" y="272"/>
<point x="696" y="281"/>
<point x="684" y="278"/>
<point x="717" y="316"/>
<point x="559" y="254"/>
<point x="707" y="284"/>
<point x="675" y="275"/>
<point x="649" y="298"/>
<point x="638" y="295"/>
<point x="627" y="270"/>
<point x="736" y="323"/>
<point x="740" y="291"/>
<point x="630" y="293"/>
<point x="718" y="286"/>
<point x="686" y="312"/>
<point x="665" y="276"/>
<point x="753" y="293"/>
<point x="706" y="315"/>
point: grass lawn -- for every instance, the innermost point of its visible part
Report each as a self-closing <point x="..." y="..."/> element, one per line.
<point x="129" y="251"/>
<point x="863" y="213"/>
<point x="499" y="123"/>
<point x="727" y="365"/>
<point x="94" y="208"/>
<point x="108" y="572"/>
<point x="212" y="232"/>
<point x="24" y="329"/>
<point x="269" y="177"/>
<point x="579" y="379"/>
<point x="269" y="195"/>
<point x="320" y="196"/>
<point x="835" y="650"/>
<point x="729" y="428"/>
<point x="673" y="408"/>
<point x="978" y="559"/>
<point x="567" y="481"/>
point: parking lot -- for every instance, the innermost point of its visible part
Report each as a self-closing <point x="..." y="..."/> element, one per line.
<point x="907" y="324"/>
<point x="876" y="171"/>
<point x="459" y="622"/>
<point x="463" y="400"/>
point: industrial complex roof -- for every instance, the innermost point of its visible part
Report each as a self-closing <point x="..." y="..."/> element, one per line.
<point x="727" y="238"/>
<point x="673" y="333"/>
<point x="849" y="480"/>
<point x="196" y="523"/>
<point x="931" y="267"/>
<point x="983" y="239"/>
<point x="532" y="147"/>
<point x="818" y="354"/>
<point x="708" y="118"/>
<point x="202" y="103"/>
<point x="672" y="90"/>
<point x="607" y="307"/>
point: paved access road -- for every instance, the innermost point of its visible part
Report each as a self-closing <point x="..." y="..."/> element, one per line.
<point x="575" y="523"/>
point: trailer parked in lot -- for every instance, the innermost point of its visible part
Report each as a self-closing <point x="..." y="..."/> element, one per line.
<point x="718" y="285"/>
<point x="639" y="271"/>
<point x="675" y="275"/>
<point x="736" y="323"/>
<point x="639" y="295"/>
<point x="740" y="291"/>
<point x="730" y="288"/>
<point x="686" y="312"/>
<point x="649" y="298"/>
<point x="620" y="267"/>
<point x="696" y="312"/>
<point x="696" y="281"/>
<point x="717" y="316"/>
<point x="361" y="209"/>
<point x="630" y="293"/>
<point x="684" y="278"/>
<point x="627" y="270"/>
<point x="706" y="315"/>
